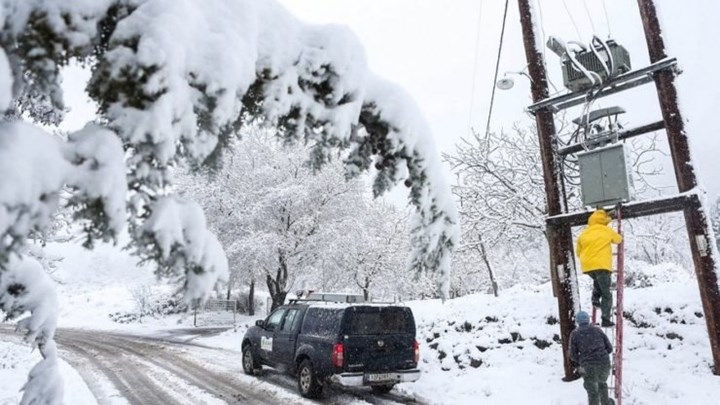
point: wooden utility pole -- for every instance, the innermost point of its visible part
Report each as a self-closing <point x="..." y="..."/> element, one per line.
<point x="559" y="238"/>
<point x="699" y="231"/>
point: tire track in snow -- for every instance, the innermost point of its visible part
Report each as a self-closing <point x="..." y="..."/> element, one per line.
<point x="134" y="387"/>
<point x="124" y="349"/>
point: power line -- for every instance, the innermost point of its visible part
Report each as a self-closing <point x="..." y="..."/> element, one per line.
<point x="577" y="30"/>
<point x="592" y="22"/>
<point x="607" y="19"/>
<point x="474" y="76"/>
<point x="542" y="22"/>
<point x="497" y="68"/>
<point x="542" y="30"/>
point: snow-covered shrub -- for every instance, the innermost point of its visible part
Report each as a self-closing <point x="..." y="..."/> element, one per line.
<point x="639" y="274"/>
<point x="150" y="302"/>
<point x="243" y="303"/>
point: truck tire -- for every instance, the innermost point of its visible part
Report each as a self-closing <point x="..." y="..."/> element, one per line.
<point x="250" y="365"/>
<point x="382" y="389"/>
<point x="308" y="383"/>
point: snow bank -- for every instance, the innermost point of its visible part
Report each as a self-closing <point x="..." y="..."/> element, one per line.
<point x="507" y="350"/>
<point x="15" y="360"/>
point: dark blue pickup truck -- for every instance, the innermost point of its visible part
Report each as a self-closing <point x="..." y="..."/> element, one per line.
<point x="347" y="344"/>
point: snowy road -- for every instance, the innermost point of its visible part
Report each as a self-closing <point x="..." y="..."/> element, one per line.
<point x="128" y="369"/>
<point x="147" y="371"/>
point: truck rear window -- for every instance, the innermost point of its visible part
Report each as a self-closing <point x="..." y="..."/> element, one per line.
<point x="380" y="321"/>
<point x="322" y="321"/>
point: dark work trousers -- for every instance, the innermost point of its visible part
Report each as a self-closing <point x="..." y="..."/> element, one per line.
<point x="595" y="383"/>
<point x="601" y="291"/>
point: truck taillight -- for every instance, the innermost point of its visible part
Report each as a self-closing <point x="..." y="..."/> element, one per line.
<point x="338" y="354"/>
<point x="416" y="351"/>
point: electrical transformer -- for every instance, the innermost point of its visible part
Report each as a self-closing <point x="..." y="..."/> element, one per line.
<point x="576" y="80"/>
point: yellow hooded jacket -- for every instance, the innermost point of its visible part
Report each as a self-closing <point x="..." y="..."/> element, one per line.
<point x="593" y="245"/>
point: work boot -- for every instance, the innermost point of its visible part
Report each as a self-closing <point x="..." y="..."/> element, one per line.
<point x="606" y="323"/>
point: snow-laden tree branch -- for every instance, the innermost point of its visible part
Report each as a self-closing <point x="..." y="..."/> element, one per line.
<point x="27" y="288"/>
<point x="174" y="81"/>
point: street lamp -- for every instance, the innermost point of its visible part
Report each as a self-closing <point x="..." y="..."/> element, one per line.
<point x="507" y="83"/>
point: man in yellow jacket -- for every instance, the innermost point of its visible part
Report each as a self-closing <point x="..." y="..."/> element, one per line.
<point x="595" y="253"/>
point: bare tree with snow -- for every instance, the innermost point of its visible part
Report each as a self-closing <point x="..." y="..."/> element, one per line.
<point x="277" y="217"/>
<point x="502" y="197"/>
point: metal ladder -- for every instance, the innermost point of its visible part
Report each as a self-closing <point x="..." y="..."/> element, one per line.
<point x="617" y="361"/>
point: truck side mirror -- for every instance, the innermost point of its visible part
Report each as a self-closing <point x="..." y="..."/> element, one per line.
<point x="260" y="323"/>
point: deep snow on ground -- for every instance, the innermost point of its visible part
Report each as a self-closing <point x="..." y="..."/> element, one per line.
<point x="474" y="349"/>
<point x="16" y="360"/>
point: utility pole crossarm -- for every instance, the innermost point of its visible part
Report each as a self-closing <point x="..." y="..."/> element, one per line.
<point x="611" y="86"/>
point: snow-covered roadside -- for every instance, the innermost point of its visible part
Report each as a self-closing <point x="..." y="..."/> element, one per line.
<point x="506" y="350"/>
<point x="15" y="363"/>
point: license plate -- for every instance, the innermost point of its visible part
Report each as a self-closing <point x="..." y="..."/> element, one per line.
<point x="379" y="377"/>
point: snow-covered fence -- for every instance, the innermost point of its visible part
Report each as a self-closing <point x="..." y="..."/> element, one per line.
<point x="216" y="307"/>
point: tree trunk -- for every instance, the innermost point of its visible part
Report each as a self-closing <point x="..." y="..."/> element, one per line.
<point x="366" y="289"/>
<point x="251" y="299"/>
<point x="276" y="286"/>
<point x="483" y="254"/>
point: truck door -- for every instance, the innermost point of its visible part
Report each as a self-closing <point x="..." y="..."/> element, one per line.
<point x="285" y="337"/>
<point x="267" y="335"/>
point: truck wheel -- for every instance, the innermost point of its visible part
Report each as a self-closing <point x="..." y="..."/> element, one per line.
<point x="308" y="383"/>
<point x="382" y="389"/>
<point x="250" y="365"/>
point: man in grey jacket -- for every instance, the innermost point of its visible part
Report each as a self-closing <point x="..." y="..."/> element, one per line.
<point x="590" y="349"/>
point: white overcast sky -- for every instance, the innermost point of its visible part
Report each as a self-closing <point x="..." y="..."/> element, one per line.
<point x="430" y="46"/>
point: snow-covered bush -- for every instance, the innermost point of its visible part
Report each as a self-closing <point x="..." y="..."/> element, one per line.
<point x="151" y="302"/>
<point x="639" y="274"/>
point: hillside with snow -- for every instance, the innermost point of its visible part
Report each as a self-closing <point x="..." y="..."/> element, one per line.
<point x="474" y="349"/>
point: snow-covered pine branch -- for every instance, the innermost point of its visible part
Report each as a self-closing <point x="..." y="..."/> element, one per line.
<point x="174" y="81"/>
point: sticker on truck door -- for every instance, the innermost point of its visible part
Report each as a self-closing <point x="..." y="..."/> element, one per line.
<point x="266" y="343"/>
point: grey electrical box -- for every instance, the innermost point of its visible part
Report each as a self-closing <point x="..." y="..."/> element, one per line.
<point x="604" y="176"/>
